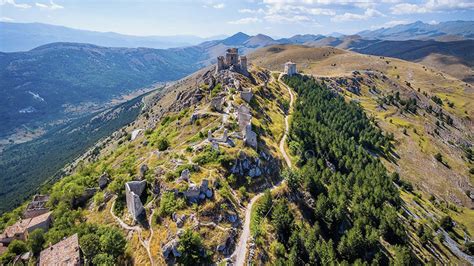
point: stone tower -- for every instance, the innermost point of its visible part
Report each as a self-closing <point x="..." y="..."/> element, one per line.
<point x="133" y="191"/>
<point x="243" y="64"/>
<point x="233" y="62"/>
<point x="232" y="57"/>
<point x="290" y="68"/>
<point x="220" y="63"/>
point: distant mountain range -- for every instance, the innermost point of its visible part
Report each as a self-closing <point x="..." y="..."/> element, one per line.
<point x="26" y="36"/>
<point x="421" y="30"/>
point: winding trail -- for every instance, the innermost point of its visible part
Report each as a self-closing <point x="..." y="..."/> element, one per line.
<point x="241" y="246"/>
<point x="144" y="242"/>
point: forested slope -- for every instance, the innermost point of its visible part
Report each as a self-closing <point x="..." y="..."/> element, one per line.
<point x="348" y="199"/>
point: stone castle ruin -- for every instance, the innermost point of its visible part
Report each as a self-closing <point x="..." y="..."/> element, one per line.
<point x="232" y="62"/>
<point x="133" y="191"/>
<point x="290" y="69"/>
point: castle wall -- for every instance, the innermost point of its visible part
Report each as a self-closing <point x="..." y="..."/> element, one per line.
<point x="133" y="190"/>
<point x="243" y="64"/>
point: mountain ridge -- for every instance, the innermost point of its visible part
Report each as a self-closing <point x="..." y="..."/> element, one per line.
<point x="26" y="36"/>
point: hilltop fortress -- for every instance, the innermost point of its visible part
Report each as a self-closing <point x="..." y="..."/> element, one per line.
<point x="232" y="61"/>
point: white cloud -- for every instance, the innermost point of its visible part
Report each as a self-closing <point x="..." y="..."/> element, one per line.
<point x="251" y="11"/>
<point x="6" y="19"/>
<point x="242" y="21"/>
<point x="406" y="8"/>
<point x="51" y="6"/>
<point x="13" y="3"/>
<point x="358" y="3"/>
<point x="431" y="6"/>
<point x="369" y="13"/>
<point x="281" y="18"/>
<point x="218" y="6"/>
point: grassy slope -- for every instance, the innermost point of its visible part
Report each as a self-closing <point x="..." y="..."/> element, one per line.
<point x="416" y="150"/>
<point x="266" y="110"/>
<point x="123" y="158"/>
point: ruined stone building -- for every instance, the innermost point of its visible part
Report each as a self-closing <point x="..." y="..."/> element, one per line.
<point x="232" y="61"/>
<point x="244" y="118"/>
<point x="250" y="137"/>
<point x="65" y="253"/>
<point x="21" y="229"/>
<point x="37" y="206"/>
<point x="133" y="191"/>
<point x="290" y="68"/>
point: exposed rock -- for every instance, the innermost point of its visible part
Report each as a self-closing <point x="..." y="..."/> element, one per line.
<point x="217" y="103"/>
<point x="246" y="96"/>
<point x="232" y="218"/>
<point x="143" y="170"/>
<point x="192" y="193"/>
<point x="226" y="246"/>
<point x="204" y="185"/>
<point x="88" y="193"/>
<point x="156" y="187"/>
<point x="185" y="175"/>
<point x="104" y="180"/>
<point x="171" y="248"/>
<point x="255" y="172"/>
<point x="135" y="134"/>
<point x="179" y="219"/>
<point x="250" y="137"/>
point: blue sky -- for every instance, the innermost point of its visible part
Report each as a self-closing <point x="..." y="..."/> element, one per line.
<point x="277" y="18"/>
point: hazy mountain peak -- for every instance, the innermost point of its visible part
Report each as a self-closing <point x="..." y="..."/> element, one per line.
<point x="237" y="39"/>
<point x="422" y="30"/>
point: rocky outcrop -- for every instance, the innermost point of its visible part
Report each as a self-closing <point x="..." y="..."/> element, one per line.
<point x="86" y="195"/>
<point x="250" y="166"/>
<point x="171" y="248"/>
<point x="226" y="247"/>
<point x="179" y="219"/>
<point x="143" y="171"/>
<point x="246" y="96"/>
<point x="104" y="180"/>
<point x="196" y="193"/>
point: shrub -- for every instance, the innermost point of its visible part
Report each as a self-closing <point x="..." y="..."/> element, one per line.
<point x="169" y="204"/>
<point x="104" y="259"/>
<point x="446" y="222"/>
<point x="113" y="242"/>
<point x="17" y="247"/>
<point x="243" y="192"/>
<point x="469" y="248"/>
<point x="277" y="249"/>
<point x="162" y="144"/>
<point x="216" y="90"/>
<point x="89" y="245"/>
<point x="36" y="240"/>
<point x="192" y="250"/>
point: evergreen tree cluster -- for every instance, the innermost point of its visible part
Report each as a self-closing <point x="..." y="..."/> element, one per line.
<point x="354" y="201"/>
